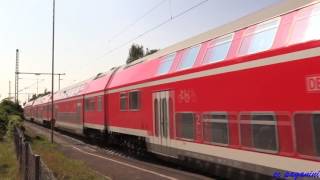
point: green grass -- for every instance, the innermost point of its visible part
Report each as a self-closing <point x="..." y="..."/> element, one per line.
<point x="63" y="167"/>
<point x="8" y="163"/>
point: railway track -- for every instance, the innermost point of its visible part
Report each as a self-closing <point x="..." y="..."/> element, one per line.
<point x="115" y="162"/>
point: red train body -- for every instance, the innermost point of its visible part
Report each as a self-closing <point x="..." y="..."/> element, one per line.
<point x="246" y="98"/>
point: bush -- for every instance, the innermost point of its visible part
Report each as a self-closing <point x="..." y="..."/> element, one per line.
<point x="11" y="108"/>
<point x="3" y="123"/>
<point x="11" y="114"/>
<point x="14" y="121"/>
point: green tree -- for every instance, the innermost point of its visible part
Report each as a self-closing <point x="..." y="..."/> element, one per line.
<point x="151" y="51"/>
<point x="135" y="52"/>
<point x="35" y="96"/>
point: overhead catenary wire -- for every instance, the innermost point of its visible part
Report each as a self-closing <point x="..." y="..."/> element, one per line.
<point x="125" y="29"/>
<point x="171" y="18"/>
<point x="31" y="85"/>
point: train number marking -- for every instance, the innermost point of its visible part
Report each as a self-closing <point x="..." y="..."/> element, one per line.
<point x="313" y="83"/>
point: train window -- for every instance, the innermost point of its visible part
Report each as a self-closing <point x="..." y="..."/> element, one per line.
<point x="86" y="104"/>
<point x="216" y="128"/>
<point x="307" y="129"/>
<point x="123" y="101"/>
<point x="166" y="63"/>
<point x="259" y="131"/>
<point x="259" y="39"/>
<point x="218" y="49"/>
<point x="134" y="100"/>
<point x="189" y="57"/>
<point x="306" y="26"/>
<point x="99" y="103"/>
<point x="185" y="125"/>
<point x="90" y="104"/>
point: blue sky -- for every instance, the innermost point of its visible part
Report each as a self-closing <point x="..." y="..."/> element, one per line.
<point x="84" y="31"/>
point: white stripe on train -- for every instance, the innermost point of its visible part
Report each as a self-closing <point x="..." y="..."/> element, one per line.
<point x="294" y="56"/>
<point x="261" y="159"/>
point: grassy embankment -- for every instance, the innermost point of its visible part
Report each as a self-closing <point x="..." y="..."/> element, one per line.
<point x="62" y="166"/>
<point x="8" y="162"/>
<point x="10" y="116"/>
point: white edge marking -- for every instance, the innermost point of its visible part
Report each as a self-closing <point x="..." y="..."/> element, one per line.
<point x="268" y="160"/>
<point x="94" y="94"/>
<point x="69" y="125"/>
<point x="136" y="132"/>
<point x="262" y="159"/>
<point x="94" y="126"/>
<point x="38" y="120"/>
<point x="69" y="99"/>
<point x="125" y="164"/>
<point x="294" y="56"/>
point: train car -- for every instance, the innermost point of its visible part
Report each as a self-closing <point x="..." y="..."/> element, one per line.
<point x="40" y="110"/>
<point x="46" y="110"/>
<point x="95" y="103"/>
<point x="68" y="107"/>
<point x="241" y="97"/>
<point x="27" y="110"/>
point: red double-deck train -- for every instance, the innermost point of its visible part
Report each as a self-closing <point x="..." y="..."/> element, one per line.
<point x="244" y="96"/>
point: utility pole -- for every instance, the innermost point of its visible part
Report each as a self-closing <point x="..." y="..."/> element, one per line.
<point x="59" y="80"/>
<point x="16" y="88"/>
<point x="52" y="74"/>
<point x="9" y="95"/>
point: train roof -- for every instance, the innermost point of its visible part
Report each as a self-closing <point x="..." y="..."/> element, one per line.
<point x="99" y="82"/>
<point x="238" y="24"/>
<point x="73" y="90"/>
<point x="147" y="67"/>
<point x="138" y="72"/>
<point x="42" y="100"/>
<point x="29" y="103"/>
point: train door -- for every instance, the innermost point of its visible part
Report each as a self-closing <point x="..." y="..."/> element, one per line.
<point x="162" y="120"/>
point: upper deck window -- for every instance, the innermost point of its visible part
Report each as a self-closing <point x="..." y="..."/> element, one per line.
<point x="306" y="25"/>
<point x="189" y="57"/>
<point x="166" y="63"/>
<point x="259" y="39"/>
<point x="218" y="49"/>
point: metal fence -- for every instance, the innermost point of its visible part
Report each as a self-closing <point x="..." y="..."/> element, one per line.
<point x="30" y="165"/>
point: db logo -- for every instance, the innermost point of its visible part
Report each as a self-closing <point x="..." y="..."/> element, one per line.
<point x="313" y="83"/>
